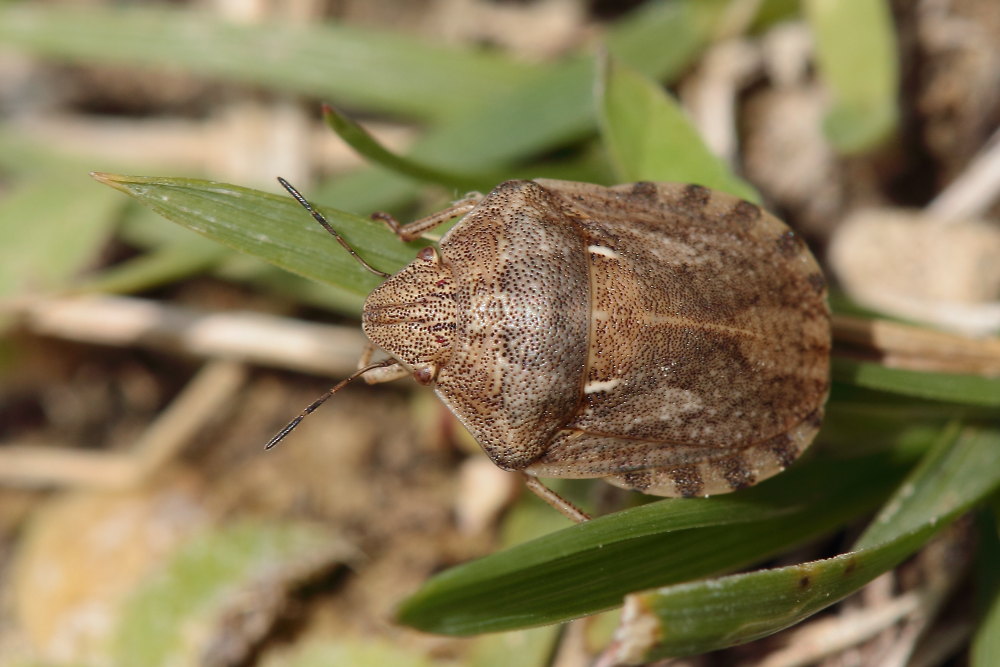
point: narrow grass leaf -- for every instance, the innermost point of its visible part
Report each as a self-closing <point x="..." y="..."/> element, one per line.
<point x="649" y="137"/>
<point x="555" y="105"/>
<point x="975" y="390"/>
<point x="181" y="612"/>
<point x="856" y="58"/>
<point x="164" y="265"/>
<point x="367" y="146"/>
<point x="704" y="616"/>
<point x="961" y="470"/>
<point x="370" y="651"/>
<point x="272" y="227"/>
<point x="50" y="231"/>
<point x="380" y="70"/>
<point x="590" y="567"/>
<point x="986" y="641"/>
<point x="546" y="111"/>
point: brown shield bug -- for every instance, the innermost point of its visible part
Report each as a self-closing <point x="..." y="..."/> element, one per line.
<point x="667" y="338"/>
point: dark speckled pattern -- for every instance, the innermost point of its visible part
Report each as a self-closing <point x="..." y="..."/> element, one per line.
<point x="669" y="338"/>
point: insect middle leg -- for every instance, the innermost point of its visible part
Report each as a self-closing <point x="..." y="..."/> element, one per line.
<point x="565" y="507"/>
<point x="413" y="230"/>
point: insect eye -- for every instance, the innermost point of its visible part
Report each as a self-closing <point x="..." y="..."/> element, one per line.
<point x="428" y="254"/>
<point x="425" y="374"/>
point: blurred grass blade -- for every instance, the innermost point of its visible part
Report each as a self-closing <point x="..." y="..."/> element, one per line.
<point x="533" y="648"/>
<point x="961" y="470"/>
<point x="50" y="231"/>
<point x="856" y="58"/>
<point x="986" y="642"/>
<point x="649" y="137"/>
<point x="957" y="388"/>
<point x="368" y="651"/>
<point x="180" y="613"/>
<point x="365" y="144"/>
<point x="689" y="619"/>
<point x="555" y="106"/>
<point x="545" y="111"/>
<point x="167" y="264"/>
<point x="590" y="567"/>
<point x="271" y="227"/>
<point x="705" y="616"/>
<point x="378" y="70"/>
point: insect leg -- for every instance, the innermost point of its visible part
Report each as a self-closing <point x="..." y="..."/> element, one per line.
<point x="379" y="375"/>
<point x="413" y="230"/>
<point x="568" y="509"/>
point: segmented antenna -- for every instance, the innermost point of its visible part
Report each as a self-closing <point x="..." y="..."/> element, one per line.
<point x="322" y="399"/>
<point x="326" y="225"/>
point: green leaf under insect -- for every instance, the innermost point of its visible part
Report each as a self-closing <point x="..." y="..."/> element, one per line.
<point x="272" y="227"/>
<point x="686" y="619"/>
<point x="590" y="567"/>
<point x="975" y="390"/>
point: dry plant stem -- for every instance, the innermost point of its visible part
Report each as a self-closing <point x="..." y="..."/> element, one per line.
<point x="975" y="189"/>
<point x="202" y="400"/>
<point x="267" y="340"/>
<point x="943" y="562"/>
<point x="566" y="508"/>
<point x="572" y="647"/>
<point x="221" y="144"/>
<point x="917" y="348"/>
<point x="711" y="94"/>
<point x="827" y="636"/>
<point x="946" y="639"/>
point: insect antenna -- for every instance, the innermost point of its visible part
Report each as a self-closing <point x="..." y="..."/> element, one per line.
<point x="326" y="225"/>
<point x="322" y="399"/>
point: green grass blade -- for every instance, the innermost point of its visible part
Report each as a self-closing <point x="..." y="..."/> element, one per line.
<point x="690" y="619"/>
<point x="555" y="106"/>
<point x="986" y="642"/>
<point x="50" y="231"/>
<point x="963" y="468"/>
<point x="365" y="144"/>
<point x="698" y="617"/>
<point x="272" y="227"/>
<point x="966" y="389"/>
<point x="164" y="265"/>
<point x="170" y="617"/>
<point x="379" y="70"/>
<point x="649" y="137"/>
<point x="856" y="58"/>
<point x="590" y="567"/>
<point x="547" y="110"/>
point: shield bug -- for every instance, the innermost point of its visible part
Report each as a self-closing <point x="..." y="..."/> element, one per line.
<point x="667" y="338"/>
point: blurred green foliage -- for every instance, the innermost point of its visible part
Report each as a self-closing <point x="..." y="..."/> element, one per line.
<point x="486" y="117"/>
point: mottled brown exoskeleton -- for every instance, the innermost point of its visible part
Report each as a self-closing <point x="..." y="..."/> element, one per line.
<point x="666" y="338"/>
